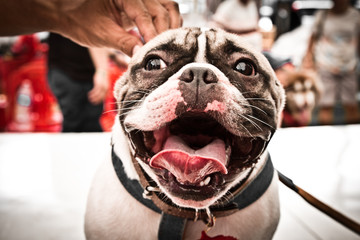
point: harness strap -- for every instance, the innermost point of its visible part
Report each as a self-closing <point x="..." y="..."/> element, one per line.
<point x="132" y="186"/>
<point x="174" y="217"/>
<point x="171" y="227"/>
<point x="257" y="188"/>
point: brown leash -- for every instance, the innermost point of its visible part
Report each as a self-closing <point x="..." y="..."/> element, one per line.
<point x="334" y="214"/>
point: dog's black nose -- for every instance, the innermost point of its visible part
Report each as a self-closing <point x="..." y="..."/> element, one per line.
<point x="199" y="74"/>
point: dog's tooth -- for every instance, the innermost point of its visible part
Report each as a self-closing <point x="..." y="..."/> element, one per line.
<point x="207" y="181"/>
<point x="201" y="183"/>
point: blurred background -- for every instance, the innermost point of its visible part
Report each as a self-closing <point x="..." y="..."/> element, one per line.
<point x="31" y="100"/>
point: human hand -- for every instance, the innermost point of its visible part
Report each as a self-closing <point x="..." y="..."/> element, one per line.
<point x="101" y="85"/>
<point x="105" y="23"/>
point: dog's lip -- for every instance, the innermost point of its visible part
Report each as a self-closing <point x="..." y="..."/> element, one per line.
<point x="197" y="192"/>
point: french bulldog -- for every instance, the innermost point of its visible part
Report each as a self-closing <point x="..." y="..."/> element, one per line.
<point x="196" y="109"/>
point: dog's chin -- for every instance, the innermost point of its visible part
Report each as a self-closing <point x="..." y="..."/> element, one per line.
<point x="199" y="197"/>
<point x="194" y="159"/>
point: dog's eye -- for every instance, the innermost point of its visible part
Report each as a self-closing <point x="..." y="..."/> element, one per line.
<point x="245" y="67"/>
<point x="155" y="64"/>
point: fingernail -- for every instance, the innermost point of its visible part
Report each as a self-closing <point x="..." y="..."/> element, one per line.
<point x="127" y="58"/>
<point x="135" y="49"/>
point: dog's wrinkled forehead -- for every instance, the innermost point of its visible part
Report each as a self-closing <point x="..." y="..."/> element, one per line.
<point x="198" y="43"/>
<point x="172" y="40"/>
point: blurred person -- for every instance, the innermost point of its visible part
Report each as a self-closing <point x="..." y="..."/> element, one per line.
<point x="333" y="52"/>
<point x="102" y="23"/>
<point x="78" y="77"/>
<point x="240" y="17"/>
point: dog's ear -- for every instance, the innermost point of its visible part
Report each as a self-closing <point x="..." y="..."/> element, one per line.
<point x="278" y="88"/>
<point x="281" y="100"/>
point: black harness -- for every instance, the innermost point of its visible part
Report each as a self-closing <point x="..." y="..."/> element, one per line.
<point x="172" y="224"/>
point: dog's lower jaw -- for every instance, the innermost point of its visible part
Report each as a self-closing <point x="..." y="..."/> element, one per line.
<point x="219" y="198"/>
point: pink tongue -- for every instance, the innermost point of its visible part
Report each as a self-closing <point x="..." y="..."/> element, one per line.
<point x="189" y="165"/>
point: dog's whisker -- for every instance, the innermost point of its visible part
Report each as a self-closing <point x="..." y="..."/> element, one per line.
<point x="247" y="92"/>
<point x="110" y="111"/>
<point x="129" y="129"/>
<point x="255" y="118"/>
<point x="252" y="122"/>
<point x="252" y="106"/>
<point x="123" y="114"/>
<point x="128" y="102"/>
<point x="261" y="99"/>
<point x="246" y="130"/>
<point x="143" y="91"/>
<point x="128" y="105"/>
<point x="134" y="129"/>
<point x="133" y="100"/>
<point x="127" y="108"/>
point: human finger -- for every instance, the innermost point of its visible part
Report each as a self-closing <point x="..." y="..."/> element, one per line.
<point x="138" y="13"/>
<point x="126" y="42"/>
<point x="159" y="14"/>
<point x="174" y="13"/>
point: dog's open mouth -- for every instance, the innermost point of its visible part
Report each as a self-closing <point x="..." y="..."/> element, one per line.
<point x="194" y="156"/>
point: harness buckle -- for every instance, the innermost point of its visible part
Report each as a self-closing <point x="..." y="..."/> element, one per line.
<point x="211" y="219"/>
<point x="149" y="190"/>
<point x="196" y="215"/>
